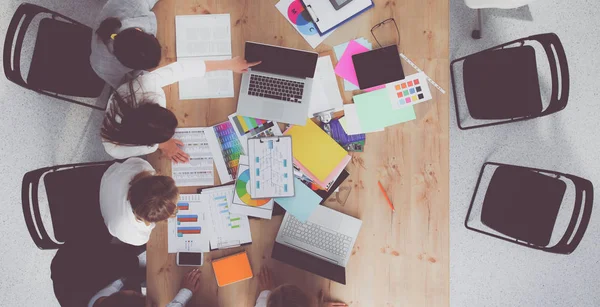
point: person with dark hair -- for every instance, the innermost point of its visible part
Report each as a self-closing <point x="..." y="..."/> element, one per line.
<point x="137" y="121"/>
<point x="107" y="275"/>
<point x="286" y="295"/>
<point x="124" y="41"/>
<point x="133" y="198"/>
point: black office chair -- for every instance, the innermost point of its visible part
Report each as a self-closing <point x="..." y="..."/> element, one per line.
<point x="73" y="199"/>
<point x="521" y="205"/>
<point x="60" y="65"/>
<point x="501" y="83"/>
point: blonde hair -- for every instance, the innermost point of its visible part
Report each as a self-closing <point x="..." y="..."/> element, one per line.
<point x="288" y="296"/>
<point x="153" y="198"/>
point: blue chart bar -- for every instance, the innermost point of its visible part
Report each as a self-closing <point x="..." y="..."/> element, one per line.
<point x="224" y="211"/>
<point x="222" y="205"/>
<point x="220" y="197"/>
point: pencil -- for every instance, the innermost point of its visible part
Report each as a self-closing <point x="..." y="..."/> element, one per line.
<point x="386" y="197"/>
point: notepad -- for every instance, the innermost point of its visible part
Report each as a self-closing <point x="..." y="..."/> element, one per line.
<point x="316" y="150"/>
<point x="200" y="38"/>
<point x="232" y="269"/>
<point x="345" y="66"/>
<point x="375" y="111"/>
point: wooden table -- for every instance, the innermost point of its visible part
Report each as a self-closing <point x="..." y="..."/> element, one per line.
<point x="399" y="259"/>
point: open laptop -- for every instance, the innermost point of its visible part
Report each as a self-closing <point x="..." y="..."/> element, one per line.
<point x="279" y="88"/>
<point x="322" y="245"/>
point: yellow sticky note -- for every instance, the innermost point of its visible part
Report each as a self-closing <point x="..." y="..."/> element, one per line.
<point x="315" y="149"/>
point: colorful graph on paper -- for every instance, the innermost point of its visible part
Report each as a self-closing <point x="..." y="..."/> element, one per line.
<point x="229" y="229"/>
<point x="224" y="214"/>
<point x="271" y="167"/>
<point x="191" y="228"/>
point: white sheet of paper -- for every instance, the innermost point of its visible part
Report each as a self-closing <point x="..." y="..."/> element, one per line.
<point x="201" y="38"/>
<point x="214" y="84"/>
<point x="325" y="93"/>
<point x="229" y="230"/>
<point x="199" y="170"/>
<point x="198" y="207"/>
<point x="248" y="206"/>
<point x="307" y="30"/>
<point x="271" y="167"/>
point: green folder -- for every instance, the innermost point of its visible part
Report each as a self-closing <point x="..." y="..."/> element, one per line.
<point x="375" y="111"/>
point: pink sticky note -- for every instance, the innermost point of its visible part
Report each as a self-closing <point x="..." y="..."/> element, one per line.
<point x="345" y="66"/>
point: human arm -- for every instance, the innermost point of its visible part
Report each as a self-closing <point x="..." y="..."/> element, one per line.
<point x="265" y="284"/>
<point x="189" y="286"/>
<point x="262" y="299"/>
<point x="111" y="289"/>
<point x="178" y="71"/>
<point x="125" y="151"/>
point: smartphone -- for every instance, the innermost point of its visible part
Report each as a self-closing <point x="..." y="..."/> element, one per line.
<point x="190" y="259"/>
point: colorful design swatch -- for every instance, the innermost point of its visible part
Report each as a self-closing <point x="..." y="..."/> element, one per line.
<point x="242" y="191"/>
<point x="409" y="91"/>
<point x="299" y="17"/>
<point x="246" y="124"/>
<point x="231" y="148"/>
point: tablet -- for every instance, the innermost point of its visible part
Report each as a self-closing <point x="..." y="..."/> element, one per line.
<point x="338" y="4"/>
<point x="377" y="67"/>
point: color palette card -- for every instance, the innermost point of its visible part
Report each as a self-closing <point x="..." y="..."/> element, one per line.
<point x="375" y="111"/>
<point x="407" y="92"/>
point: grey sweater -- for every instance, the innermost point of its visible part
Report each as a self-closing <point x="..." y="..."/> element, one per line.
<point x="132" y="14"/>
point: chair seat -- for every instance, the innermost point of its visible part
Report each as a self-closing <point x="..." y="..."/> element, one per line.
<point x="523" y="204"/>
<point x="61" y="60"/>
<point x="502" y="84"/>
<point x="73" y="195"/>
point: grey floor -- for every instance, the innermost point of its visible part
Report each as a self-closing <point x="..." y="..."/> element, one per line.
<point x="488" y="272"/>
<point x="38" y="131"/>
<point x="41" y="131"/>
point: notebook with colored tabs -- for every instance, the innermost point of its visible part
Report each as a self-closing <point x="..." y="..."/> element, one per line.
<point x="231" y="269"/>
<point x="316" y="150"/>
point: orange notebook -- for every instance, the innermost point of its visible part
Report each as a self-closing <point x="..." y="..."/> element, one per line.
<point x="231" y="269"/>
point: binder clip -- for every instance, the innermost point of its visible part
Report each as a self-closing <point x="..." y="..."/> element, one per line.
<point x="325" y="118"/>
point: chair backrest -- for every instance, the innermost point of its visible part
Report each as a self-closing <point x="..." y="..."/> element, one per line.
<point x="13" y="45"/>
<point x="73" y="199"/>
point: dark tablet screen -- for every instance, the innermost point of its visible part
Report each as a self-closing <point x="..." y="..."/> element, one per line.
<point x="377" y="67"/>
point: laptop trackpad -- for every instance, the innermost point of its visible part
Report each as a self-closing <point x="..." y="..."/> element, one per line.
<point x="273" y="111"/>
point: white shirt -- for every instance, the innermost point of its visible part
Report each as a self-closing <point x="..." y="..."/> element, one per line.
<point x="180" y="299"/>
<point x="149" y="85"/>
<point x="262" y="299"/>
<point x="116" y="209"/>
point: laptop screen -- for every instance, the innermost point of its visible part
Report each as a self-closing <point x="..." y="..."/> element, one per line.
<point x="282" y="61"/>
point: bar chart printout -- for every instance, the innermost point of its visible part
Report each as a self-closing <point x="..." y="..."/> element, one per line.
<point x="191" y="228"/>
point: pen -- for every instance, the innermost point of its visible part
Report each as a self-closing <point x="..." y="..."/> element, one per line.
<point x="386" y="197"/>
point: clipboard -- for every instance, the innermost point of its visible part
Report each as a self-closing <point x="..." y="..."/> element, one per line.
<point x="271" y="167"/>
<point x="326" y="18"/>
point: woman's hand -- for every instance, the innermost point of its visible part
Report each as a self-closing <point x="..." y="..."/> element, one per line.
<point x="265" y="279"/>
<point x="172" y="150"/>
<point x="240" y="65"/>
<point x="191" y="281"/>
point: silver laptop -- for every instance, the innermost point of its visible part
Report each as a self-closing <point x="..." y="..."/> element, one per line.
<point x="321" y="245"/>
<point x="279" y="88"/>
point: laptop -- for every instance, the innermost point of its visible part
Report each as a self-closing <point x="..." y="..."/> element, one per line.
<point x="279" y="88"/>
<point x="322" y="245"/>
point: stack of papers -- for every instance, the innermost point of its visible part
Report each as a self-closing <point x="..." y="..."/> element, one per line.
<point x="339" y="52"/>
<point x="325" y="94"/>
<point x="204" y="222"/>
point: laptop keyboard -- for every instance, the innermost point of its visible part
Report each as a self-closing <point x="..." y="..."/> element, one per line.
<point x="275" y="88"/>
<point x="317" y="236"/>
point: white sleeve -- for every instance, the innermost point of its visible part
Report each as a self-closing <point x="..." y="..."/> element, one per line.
<point x="261" y="301"/>
<point x="111" y="289"/>
<point x="125" y="151"/>
<point x="151" y="3"/>
<point x="172" y="73"/>
<point x="181" y="298"/>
